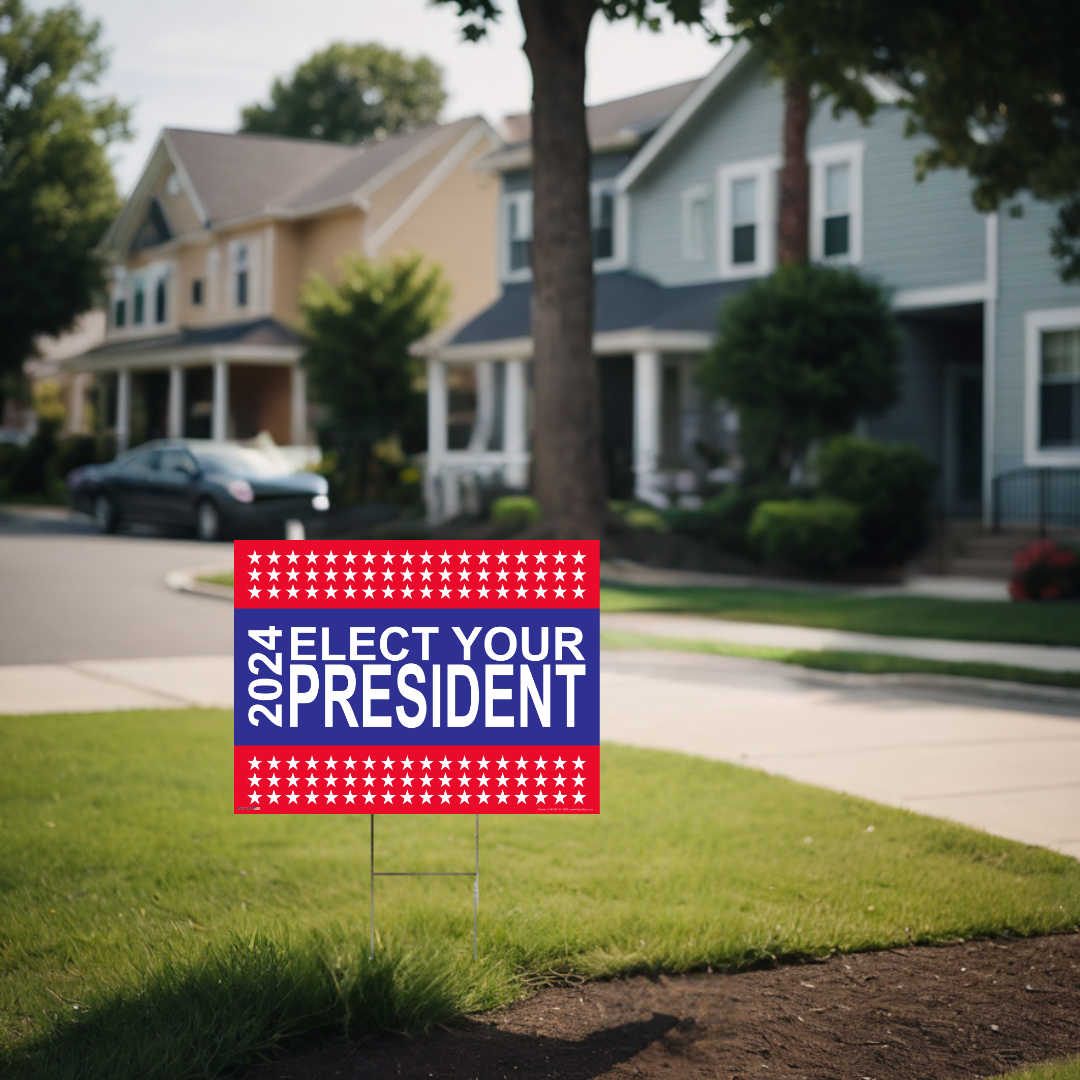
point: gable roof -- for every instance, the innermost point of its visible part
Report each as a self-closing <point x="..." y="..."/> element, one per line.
<point x="230" y="177"/>
<point x="613" y="125"/>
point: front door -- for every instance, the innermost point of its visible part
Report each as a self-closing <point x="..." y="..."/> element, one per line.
<point x="964" y="435"/>
<point x="617" y="402"/>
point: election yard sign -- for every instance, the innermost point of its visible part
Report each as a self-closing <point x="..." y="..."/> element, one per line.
<point x="404" y="678"/>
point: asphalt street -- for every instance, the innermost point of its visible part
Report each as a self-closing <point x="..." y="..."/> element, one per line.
<point x="68" y="594"/>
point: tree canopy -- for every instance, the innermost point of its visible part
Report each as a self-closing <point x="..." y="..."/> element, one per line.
<point x="994" y="84"/>
<point x="57" y="192"/>
<point x="351" y="94"/>
<point x="802" y="355"/>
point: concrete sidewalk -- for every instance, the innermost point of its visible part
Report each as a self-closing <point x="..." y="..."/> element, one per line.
<point x="730" y="632"/>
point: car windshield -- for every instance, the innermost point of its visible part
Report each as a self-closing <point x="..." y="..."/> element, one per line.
<point x="239" y="461"/>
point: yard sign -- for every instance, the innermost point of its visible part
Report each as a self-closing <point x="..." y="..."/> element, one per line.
<point x="403" y="678"/>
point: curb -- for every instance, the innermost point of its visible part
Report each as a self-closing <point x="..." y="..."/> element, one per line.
<point x="188" y="581"/>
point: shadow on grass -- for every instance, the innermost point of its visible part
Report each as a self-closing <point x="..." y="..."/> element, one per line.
<point x="239" y="1002"/>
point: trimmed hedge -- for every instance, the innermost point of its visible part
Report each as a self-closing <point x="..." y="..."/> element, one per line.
<point x="816" y="535"/>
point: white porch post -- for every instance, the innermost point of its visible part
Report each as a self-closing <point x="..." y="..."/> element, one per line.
<point x="647" y="426"/>
<point x="485" y="406"/>
<point x="123" y="410"/>
<point x="438" y="405"/>
<point x="298" y="402"/>
<point x="175" y="425"/>
<point x="516" y="424"/>
<point x="219" y="417"/>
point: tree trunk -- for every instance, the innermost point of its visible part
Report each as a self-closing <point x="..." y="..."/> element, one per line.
<point x="793" y="239"/>
<point x="568" y="477"/>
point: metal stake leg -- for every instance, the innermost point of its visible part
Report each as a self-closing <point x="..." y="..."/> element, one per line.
<point x="372" y="887"/>
<point x="476" y="886"/>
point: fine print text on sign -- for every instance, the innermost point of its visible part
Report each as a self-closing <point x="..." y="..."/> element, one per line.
<point x="398" y="678"/>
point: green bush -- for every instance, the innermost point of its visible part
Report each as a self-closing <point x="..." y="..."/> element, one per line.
<point x="816" y="535"/>
<point x="891" y="485"/>
<point x="516" y="511"/>
<point x="723" y="521"/>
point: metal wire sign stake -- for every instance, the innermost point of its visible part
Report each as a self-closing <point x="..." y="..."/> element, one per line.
<point x="399" y="678"/>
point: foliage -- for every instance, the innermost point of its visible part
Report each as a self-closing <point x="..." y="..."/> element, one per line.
<point x="995" y="86"/>
<point x="815" y="534"/>
<point x="801" y="355"/>
<point x="356" y="338"/>
<point x="194" y="960"/>
<point x="891" y="486"/>
<point x="723" y="521"/>
<point x="637" y="515"/>
<point x="351" y="94"/>
<point x="57" y="193"/>
<point x="1044" y="571"/>
<point x="893" y="616"/>
<point x="518" y="511"/>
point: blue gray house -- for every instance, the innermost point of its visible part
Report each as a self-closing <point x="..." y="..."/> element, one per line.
<point x="684" y="196"/>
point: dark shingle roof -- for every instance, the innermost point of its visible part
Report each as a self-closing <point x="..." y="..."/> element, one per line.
<point x="623" y="301"/>
<point x="263" y="331"/>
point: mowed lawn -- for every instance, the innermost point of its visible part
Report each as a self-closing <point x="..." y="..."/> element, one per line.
<point x="146" y="931"/>
<point x="899" y="616"/>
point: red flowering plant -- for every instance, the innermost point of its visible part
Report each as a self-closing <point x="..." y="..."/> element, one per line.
<point x="1045" y="571"/>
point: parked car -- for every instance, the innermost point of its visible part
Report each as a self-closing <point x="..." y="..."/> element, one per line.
<point x="216" y="488"/>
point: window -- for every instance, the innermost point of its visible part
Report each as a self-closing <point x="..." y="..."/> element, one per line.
<point x="1059" y="389"/>
<point x="240" y="271"/>
<point x="695" y="222"/>
<point x="746" y="232"/>
<point x="519" y="231"/>
<point x="121" y="313"/>
<point x="1052" y="387"/>
<point x="196" y="292"/>
<point x="836" y="202"/>
<point x="603" y="224"/>
<point x="159" y="300"/>
<point x="744" y="215"/>
<point x="139" y="312"/>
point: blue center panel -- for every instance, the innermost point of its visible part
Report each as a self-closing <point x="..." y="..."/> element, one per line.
<point x="417" y="677"/>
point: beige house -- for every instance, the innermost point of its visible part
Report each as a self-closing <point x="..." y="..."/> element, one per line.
<point x="209" y="253"/>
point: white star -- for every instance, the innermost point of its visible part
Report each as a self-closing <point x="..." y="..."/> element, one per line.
<point x="407" y="796"/>
<point x="311" y="796"/>
<point x="331" y="796"/>
<point x="369" y="763"/>
<point x="444" y="592"/>
<point x="579" y="763"/>
<point x="311" y="763"/>
<point x="273" y="592"/>
<point x="522" y="796"/>
<point x="444" y="796"/>
<point x="482" y="593"/>
<point x="502" y="556"/>
<point x="255" y="780"/>
<point x="407" y="558"/>
<point x="369" y="796"/>
<point x="272" y="557"/>
<point x="331" y="763"/>
<point x="349" y="558"/>
<point x="313" y="591"/>
<point x="350" y="593"/>
<point x="482" y="763"/>
<point x="502" y="593"/>
<point x="560" y="796"/>
<point x="426" y="796"/>
<point x="426" y="557"/>
<point x="255" y="575"/>
<point x="274" y="796"/>
<point x="331" y="591"/>
<point x="406" y="592"/>
<point x="388" y="591"/>
<point x="541" y="763"/>
<point x="254" y="591"/>
<point x="540" y="556"/>
<point x="293" y="556"/>
<point x="464" y="592"/>
<point x="369" y="592"/>
<point x="425" y="593"/>
<point x="254" y="797"/>
<point x="482" y="557"/>
<point x="292" y="763"/>
<point x="255" y="556"/>
<point x="578" y="557"/>
<point x="541" y="796"/>
<point x="331" y="557"/>
<point x="503" y="796"/>
<point x="579" y="592"/>
<point x="558" y="557"/>
<point x="523" y="591"/>
<point x="484" y="796"/>
<point x="387" y="763"/>
<point x="293" y="796"/>
<point x="388" y="796"/>
<point x="445" y="557"/>
<point x="579" y="797"/>
<point x="350" y="796"/>
<point x="388" y="558"/>
<point x="254" y="763"/>
<point x="541" y="592"/>
<point x="502" y="763"/>
<point x="312" y="557"/>
<point x="368" y="557"/>
<point x="560" y="593"/>
<point x="350" y="763"/>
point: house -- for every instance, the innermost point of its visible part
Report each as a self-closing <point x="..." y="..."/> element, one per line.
<point x="685" y="215"/>
<point x="209" y="253"/>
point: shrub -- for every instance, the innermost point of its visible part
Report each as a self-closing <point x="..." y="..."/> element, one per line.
<point x="802" y="355"/>
<point x="816" y="535"/>
<point x="516" y="511"/>
<point x="723" y="521"/>
<point x="891" y="486"/>
<point x="1044" y="571"/>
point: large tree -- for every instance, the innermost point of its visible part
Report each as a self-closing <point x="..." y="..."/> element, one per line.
<point x="568" y="477"/>
<point x="57" y="192"/>
<point x="351" y="94"/>
<point x="994" y="84"/>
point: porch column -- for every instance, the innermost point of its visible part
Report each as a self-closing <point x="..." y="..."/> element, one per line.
<point x="438" y="404"/>
<point x="123" y="410"/>
<point x="647" y="426"/>
<point x="175" y="424"/>
<point x="480" y="439"/>
<point x="516" y="424"/>
<point x="298" y="404"/>
<point x="219" y="417"/>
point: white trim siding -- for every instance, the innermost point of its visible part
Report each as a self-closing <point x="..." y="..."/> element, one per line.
<point x="822" y="160"/>
<point x="752" y="183"/>
<point x="1036" y="323"/>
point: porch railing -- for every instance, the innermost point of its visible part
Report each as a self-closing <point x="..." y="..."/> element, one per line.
<point x="1042" y="498"/>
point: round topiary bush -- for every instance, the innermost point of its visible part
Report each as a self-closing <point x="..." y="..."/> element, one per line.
<point x="817" y="535"/>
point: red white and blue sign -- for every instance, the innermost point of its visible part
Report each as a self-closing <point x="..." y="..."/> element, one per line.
<point x="404" y="678"/>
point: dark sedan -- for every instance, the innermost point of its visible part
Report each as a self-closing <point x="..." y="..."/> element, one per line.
<point x="214" y="487"/>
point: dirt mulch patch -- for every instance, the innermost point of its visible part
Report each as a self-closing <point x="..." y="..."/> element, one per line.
<point x="966" y="1010"/>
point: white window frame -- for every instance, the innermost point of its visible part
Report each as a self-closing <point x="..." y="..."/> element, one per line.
<point x="524" y="201"/>
<point x="693" y="242"/>
<point x="619" y="222"/>
<point x="763" y="171"/>
<point x="1035" y="322"/>
<point x="821" y="157"/>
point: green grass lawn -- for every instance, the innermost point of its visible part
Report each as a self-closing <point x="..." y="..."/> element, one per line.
<point x="146" y="931"/>
<point x="1066" y="1069"/>
<point x="899" y="616"/>
<point x="837" y="660"/>
<point x="217" y="579"/>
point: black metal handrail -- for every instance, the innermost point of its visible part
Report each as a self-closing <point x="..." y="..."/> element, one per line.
<point x="1045" y="498"/>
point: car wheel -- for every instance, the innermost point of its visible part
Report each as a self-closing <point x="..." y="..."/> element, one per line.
<point x="207" y="521"/>
<point x="105" y="516"/>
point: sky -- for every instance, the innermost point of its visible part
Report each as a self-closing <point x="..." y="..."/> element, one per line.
<point x="197" y="62"/>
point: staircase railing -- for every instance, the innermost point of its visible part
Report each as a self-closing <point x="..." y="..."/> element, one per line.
<point x="1045" y="498"/>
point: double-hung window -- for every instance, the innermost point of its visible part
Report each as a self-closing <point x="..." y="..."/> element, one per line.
<point x="603" y="223"/>
<point x="1052" y="361"/>
<point x="138" y="312"/>
<point x="695" y="222"/>
<point x="519" y="233"/>
<point x="836" y="202"/>
<point x="746" y="233"/>
<point x="241" y="270"/>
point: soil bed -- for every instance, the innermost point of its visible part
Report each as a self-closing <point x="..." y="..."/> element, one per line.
<point x="973" y="1009"/>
